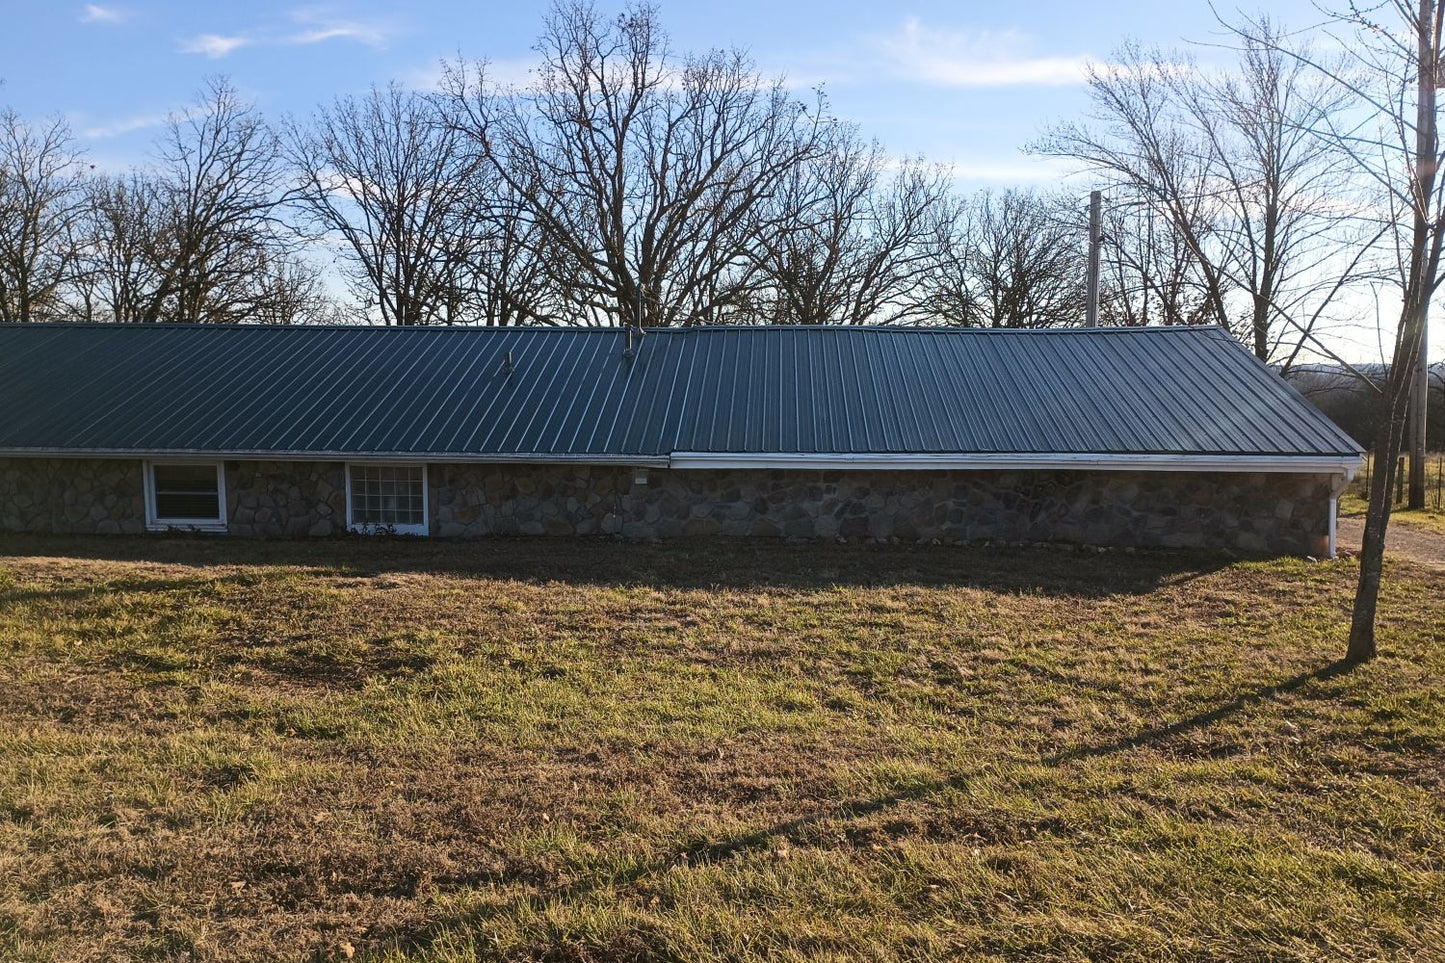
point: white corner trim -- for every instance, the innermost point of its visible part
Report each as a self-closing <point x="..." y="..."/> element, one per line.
<point x="1309" y="464"/>
<point x="155" y="523"/>
<point x="423" y="529"/>
<point x="1334" y="525"/>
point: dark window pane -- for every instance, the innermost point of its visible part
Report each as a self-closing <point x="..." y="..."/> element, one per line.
<point x="186" y="492"/>
<point x="183" y="505"/>
<point x="185" y="477"/>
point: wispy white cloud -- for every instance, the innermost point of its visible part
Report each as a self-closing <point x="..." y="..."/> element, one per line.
<point x="94" y="13"/>
<point x="918" y="53"/>
<point x="307" y="27"/>
<point x="317" y="27"/>
<point x="360" y="32"/>
<point x="973" y="58"/>
<point x="1012" y="169"/>
<point x="213" y="45"/>
<point x="125" y="125"/>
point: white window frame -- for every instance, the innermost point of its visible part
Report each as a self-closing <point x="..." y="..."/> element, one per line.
<point x="156" y="523"/>
<point x="369" y="528"/>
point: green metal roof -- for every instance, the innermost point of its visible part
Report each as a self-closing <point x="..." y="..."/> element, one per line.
<point x="575" y="392"/>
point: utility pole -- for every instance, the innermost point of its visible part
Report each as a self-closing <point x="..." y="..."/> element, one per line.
<point x="1096" y="218"/>
<point x="1430" y="82"/>
<point x="1419" y="407"/>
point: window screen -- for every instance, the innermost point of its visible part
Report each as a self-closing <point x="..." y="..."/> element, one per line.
<point x="186" y="492"/>
<point x="387" y="495"/>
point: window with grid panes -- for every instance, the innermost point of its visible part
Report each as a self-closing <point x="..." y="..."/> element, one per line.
<point x="389" y="496"/>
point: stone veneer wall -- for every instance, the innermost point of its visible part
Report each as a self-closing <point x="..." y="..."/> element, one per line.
<point x="1246" y="512"/>
<point x="71" y="496"/>
<point x="89" y="496"/>
<point x="285" y="498"/>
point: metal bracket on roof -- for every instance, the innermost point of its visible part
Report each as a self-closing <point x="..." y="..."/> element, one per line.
<point x="630" y="352"/>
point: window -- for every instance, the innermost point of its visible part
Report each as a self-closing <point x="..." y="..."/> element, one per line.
<point x="387" y="498"/>
<point x="185" y="495"/>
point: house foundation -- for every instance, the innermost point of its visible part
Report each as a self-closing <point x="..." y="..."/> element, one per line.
<point x="1258" y="513"/>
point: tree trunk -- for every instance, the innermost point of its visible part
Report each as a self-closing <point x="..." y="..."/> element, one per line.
<point x="1409" y="343"/>
<point x="1389" y="439"/>
<point x="1260" y="327"/>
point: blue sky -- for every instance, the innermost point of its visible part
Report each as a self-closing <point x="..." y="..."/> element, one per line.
<point x="966" y="84"/>
<point x="963" y="83"/>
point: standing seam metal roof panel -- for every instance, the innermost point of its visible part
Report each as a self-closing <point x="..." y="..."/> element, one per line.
<point x="74" y="388"/>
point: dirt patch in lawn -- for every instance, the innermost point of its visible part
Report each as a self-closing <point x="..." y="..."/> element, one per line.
<point x="1420" y="544"/>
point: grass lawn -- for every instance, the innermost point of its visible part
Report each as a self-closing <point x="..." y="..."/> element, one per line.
<point x="1435" y="521"/>
<point x="404" y="751"/>
<point x="1355" y="503"/>
<point x="1356" y="499"/>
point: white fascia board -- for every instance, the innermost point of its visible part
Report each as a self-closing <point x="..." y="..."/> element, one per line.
<point x="1312" y="464"/>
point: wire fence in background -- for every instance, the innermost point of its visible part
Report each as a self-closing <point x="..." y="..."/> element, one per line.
<point x="1434" y="481"/>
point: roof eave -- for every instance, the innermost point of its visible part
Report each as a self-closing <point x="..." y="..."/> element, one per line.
<point x="1324" y="463"/>
<point x="526" y="458"/>
<point x="1026" y="461"/>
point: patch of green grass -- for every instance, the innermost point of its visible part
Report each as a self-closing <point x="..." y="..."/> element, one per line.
<point x="597" y="750"/>
<point x="1355" y="500"/>
<point x="1357" y="503"/>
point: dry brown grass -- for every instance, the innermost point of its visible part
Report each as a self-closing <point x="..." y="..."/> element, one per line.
<point x="595" y="750"/>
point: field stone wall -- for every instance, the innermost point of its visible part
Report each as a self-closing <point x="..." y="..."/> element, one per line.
<point x="86" y="496"/>
<point x="1249" y="512"/>
<point x="1263" y="513"/>
<point x="269" y="498"/>
<point x="80" y="496"/>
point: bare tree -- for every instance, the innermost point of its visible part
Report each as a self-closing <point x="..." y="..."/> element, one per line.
<point x="1013" y="259"/>
<point x="1226" y="166"/>
<point x="41" y="198"/>
<point x="119" y="271"/>
<point x="644" y="172"/>
<point x="290" y="290"/>
<point x="853" y="235"/>
<point x="199" y="237"/>
<point x="1148" y="271"/>
<point x="399" y="187"/>
<point x="220" y="187"/>
<point x="519" y="271"/>
<point x="1391" y="140"/>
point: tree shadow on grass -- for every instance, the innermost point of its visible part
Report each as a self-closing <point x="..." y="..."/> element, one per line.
<point x="1157" y="735"/>
<point x="724" y="563"/>
<point x="18" y="594"/>
<point x="794" y="831"/>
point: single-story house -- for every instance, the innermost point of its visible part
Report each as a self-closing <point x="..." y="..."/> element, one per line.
<point x="1112" y="436"/>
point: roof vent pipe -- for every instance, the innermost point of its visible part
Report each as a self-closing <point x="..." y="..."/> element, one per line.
<point x="1096" y="222"/>
<point x="631" y="351"/>
<point x="637" y="321"/>
<point x="507" y="363"/>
